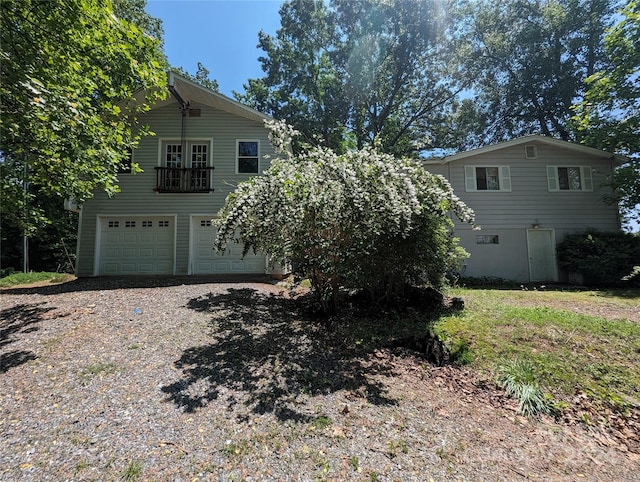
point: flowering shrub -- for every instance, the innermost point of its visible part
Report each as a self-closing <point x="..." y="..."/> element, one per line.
<point x="361" y="220"/>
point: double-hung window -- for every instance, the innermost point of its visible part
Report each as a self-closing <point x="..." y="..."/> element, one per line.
<point x="487" y="178"/>
<point x="247" y="156"/>
<point x="569" y="178"/>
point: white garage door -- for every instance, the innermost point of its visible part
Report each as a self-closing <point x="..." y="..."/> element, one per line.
<point x="136" y="245"/>
<point x="206" y="261"/>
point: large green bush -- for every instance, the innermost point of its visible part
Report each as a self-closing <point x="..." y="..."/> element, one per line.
<point x="603" y="258"/>
<point x="359" y="221"/>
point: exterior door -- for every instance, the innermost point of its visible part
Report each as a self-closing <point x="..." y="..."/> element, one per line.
<point x="542" y="255"/>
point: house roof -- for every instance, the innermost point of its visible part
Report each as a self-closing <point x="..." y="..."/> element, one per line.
<point x="619" y="160"/>
<point x="184" y="90"/>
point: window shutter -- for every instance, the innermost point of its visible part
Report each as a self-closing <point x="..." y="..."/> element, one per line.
<point x="552" y="178"/>
<point x="505" y="178"/>
<point x="470" y="178"/>
<point x="587" y="178"/>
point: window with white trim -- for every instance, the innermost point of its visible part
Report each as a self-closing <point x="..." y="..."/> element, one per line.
<point x="247" y="156"/>
<point x="569" y="178"/>
<point x="487" y="178"/>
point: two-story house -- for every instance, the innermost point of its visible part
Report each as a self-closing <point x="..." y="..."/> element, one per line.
<point x="528" y="194"/>
<point x="160" y="222"/>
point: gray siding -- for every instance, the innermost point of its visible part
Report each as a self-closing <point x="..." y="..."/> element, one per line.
<point x="510" y="214"/>
<point x="530" y="201"/>
<point x="137" y="194"/>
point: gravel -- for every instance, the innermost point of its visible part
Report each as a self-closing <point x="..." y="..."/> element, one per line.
<point x="191" y="379"/>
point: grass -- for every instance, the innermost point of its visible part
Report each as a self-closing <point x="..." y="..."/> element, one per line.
<point x="569" y="350"/>
<point x="133" y="471"/>
<point x="17" y="279"/>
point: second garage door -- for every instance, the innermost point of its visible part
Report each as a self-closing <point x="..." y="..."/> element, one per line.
<point x="205" y="261"/>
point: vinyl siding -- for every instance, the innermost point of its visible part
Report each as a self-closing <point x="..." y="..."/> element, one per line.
<point x="137" y="194"/>
<point x="510" y="214"/>
<point x="530" y="201"/>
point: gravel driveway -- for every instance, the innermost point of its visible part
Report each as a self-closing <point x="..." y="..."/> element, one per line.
<point x="190" y="379"/>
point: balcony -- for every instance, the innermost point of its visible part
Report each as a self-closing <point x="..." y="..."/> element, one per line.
<point x="183" y="179"/>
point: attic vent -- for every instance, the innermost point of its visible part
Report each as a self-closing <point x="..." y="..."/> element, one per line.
<point x="194" y="112"/>
<point x="531" y="152"/>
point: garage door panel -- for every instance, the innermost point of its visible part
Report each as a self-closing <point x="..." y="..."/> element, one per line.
<point x="206" y="260"/>
<point x="136" y="246"/>
<point x="112" y="252"/>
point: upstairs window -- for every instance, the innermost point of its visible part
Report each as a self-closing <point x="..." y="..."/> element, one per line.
<point x="487" y="178"/>
<point x="569" y="178"/>
<point x="173" y="155"/>
<point x="247" y="155"/>
<point x="184" y="167"/>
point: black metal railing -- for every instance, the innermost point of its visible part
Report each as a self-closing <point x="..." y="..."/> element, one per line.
<point x="183" y="179"/>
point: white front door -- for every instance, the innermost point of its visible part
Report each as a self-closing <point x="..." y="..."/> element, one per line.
<point x="542" y="255"/>
<point x="204" y="260"/>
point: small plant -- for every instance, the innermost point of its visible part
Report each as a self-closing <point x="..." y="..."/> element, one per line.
<point x="91" y="371"/>
<point x="321" y="422"/>
<point x="232" y="449"/>
<point x="80" y="466"/>
<point x="395" y="446"/>
<point x="354" y="462"/>
<point x="133" y="471"/>
<point x="517" y="377"/>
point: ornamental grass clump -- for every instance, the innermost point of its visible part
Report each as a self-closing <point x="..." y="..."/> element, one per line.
<point x="357" y="221"/>
<point x="517" y="377"/>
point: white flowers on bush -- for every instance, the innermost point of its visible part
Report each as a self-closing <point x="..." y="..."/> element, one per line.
<point x="339" y="217"/>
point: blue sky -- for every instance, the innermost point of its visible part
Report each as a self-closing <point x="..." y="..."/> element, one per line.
<point x="222" y="34"/>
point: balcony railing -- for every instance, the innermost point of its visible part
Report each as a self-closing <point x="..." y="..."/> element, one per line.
<point x="183" y="179"/>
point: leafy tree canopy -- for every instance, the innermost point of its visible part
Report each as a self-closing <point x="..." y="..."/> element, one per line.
<point x="527" y="61"/>
<point x="360" y="220"/>
<point x="609" y="116"/>
<point x="68" y="73"/>
<point x="353" y="72"/>
<point x="201" y="77"/>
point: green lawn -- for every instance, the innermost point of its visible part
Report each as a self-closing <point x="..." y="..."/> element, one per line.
<point x="575" y="340"/>
<point x="16" y="279"/>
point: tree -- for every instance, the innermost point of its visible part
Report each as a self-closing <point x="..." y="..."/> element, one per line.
<point x="201" y="77"/>
<point x="303" y="81"/>
<point x="69" y="72"/>
<point x="527" y="62"/>
<point x="609" y="116"/>
<point x="360" y="220"/>
<point x="356" y="72"/>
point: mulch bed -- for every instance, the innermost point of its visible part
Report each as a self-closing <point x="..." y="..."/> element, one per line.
<point x="191" y="379"/>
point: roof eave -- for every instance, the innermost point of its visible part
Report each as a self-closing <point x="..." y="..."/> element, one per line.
<point x="536" y="138"/>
